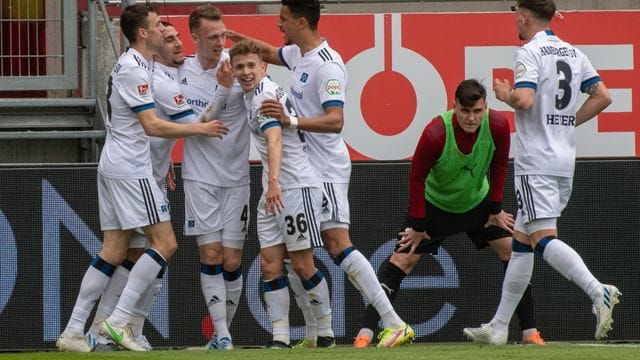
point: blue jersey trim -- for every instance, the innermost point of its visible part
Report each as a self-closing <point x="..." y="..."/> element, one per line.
<point x="270" y="125"/>
<point x="139" y="108"/>
<point x="333" y="103"/>
<point x="282" y="59"/>
<point x="589" y="82"/>
<point x="526" y="84"/>
<point x="549" y="32"/>
<point x="180" y="115"/>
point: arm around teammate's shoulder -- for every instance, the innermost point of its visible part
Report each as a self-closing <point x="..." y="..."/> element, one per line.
<point x="153" y="126"/>
<point x="269" y="52"/>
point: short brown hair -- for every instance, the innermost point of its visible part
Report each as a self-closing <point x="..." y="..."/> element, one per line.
<point x="206" y="11"/>
<point x="134" y="17"/>
<point x="245" y="47"/>
<point x="542" y="9"/>
<point x="469" y="92"/>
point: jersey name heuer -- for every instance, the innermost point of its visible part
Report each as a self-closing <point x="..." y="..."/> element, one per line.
<point x="545" y="133"/>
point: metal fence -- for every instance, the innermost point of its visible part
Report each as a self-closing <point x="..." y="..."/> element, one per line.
<point x="39" y="45"/>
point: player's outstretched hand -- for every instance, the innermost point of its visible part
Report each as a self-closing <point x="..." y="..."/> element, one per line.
<point x="235" y="36"/>
<point x="225" y="75"/>
<point x="502" y="220"/>
<point x="214" y="128"/>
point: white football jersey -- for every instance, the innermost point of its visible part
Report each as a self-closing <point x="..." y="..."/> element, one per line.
<point x="171" y="105"/>
<point x="125" y="154"/>
<point x="219" y="162"/>
<point x="295" y="169"/>
<point x="319" y="80"/>
<point x="558" y="72"/>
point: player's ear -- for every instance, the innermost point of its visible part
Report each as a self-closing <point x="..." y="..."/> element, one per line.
<point x="142" y="33"/>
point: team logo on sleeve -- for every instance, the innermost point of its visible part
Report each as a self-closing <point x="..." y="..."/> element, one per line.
<point x="333" y="87"/>
<point x="520" y="70"/>
<point x="143" y="90"/>
<point x="179" y="100"/>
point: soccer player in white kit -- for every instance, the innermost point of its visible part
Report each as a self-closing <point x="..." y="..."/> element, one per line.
<point x="128" y="195"/>
<point x="216" y="173"/>
<point x="171" y="106"/>
<point x="549" y="76"/>
<point x="317" y="90"/>
<point x="289" y="211"/>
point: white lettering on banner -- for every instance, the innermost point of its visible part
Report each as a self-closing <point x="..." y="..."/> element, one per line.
<point x="428" y="85"/>
<point x="335" y="280"/>
<point x="336" y="286"/>
<point x="447" y="281"/>
<point x="480" y="61"/>
<point x="55" y="212"/>
<point x="8" y="261"/>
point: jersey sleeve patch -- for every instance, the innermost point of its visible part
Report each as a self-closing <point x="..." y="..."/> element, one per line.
<point x="333" y="87"/>
<point x="143" y="90"/>
<point x="520" y="70"/>
<point x="179" y="100"/>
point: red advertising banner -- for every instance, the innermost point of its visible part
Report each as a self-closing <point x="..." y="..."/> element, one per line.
<point x="403" y="70"/>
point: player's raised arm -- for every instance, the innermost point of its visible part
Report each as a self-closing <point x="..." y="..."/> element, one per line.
<point x="269" y="52"/>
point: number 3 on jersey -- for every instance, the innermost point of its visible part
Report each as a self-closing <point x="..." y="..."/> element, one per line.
<point x="564" y="85"/>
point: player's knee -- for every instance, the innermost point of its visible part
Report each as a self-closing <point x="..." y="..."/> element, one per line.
<point x="231" y="263"/>
<point x="210" y="254"/>
<point x="270" y="269"/>
<point x="113" y="256"/>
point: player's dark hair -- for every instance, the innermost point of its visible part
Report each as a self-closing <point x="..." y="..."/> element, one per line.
<point x="542" y="9"/>
<point x="469" y="92"/>
<point x="134" y="17"/>
<point x="245" y="47"/>
<point x="205" y="11"/>
<point x="308" y="9"/>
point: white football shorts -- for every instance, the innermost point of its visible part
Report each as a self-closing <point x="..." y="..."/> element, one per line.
<point x="541" y="199"/>
<point x="297" y="226"/>
<point x="130" y="203"/>
<point x="335" y="206"/>
<point x="214" y="213"/>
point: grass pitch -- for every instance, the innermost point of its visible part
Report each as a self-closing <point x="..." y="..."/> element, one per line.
<point x="553" y="351"/>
